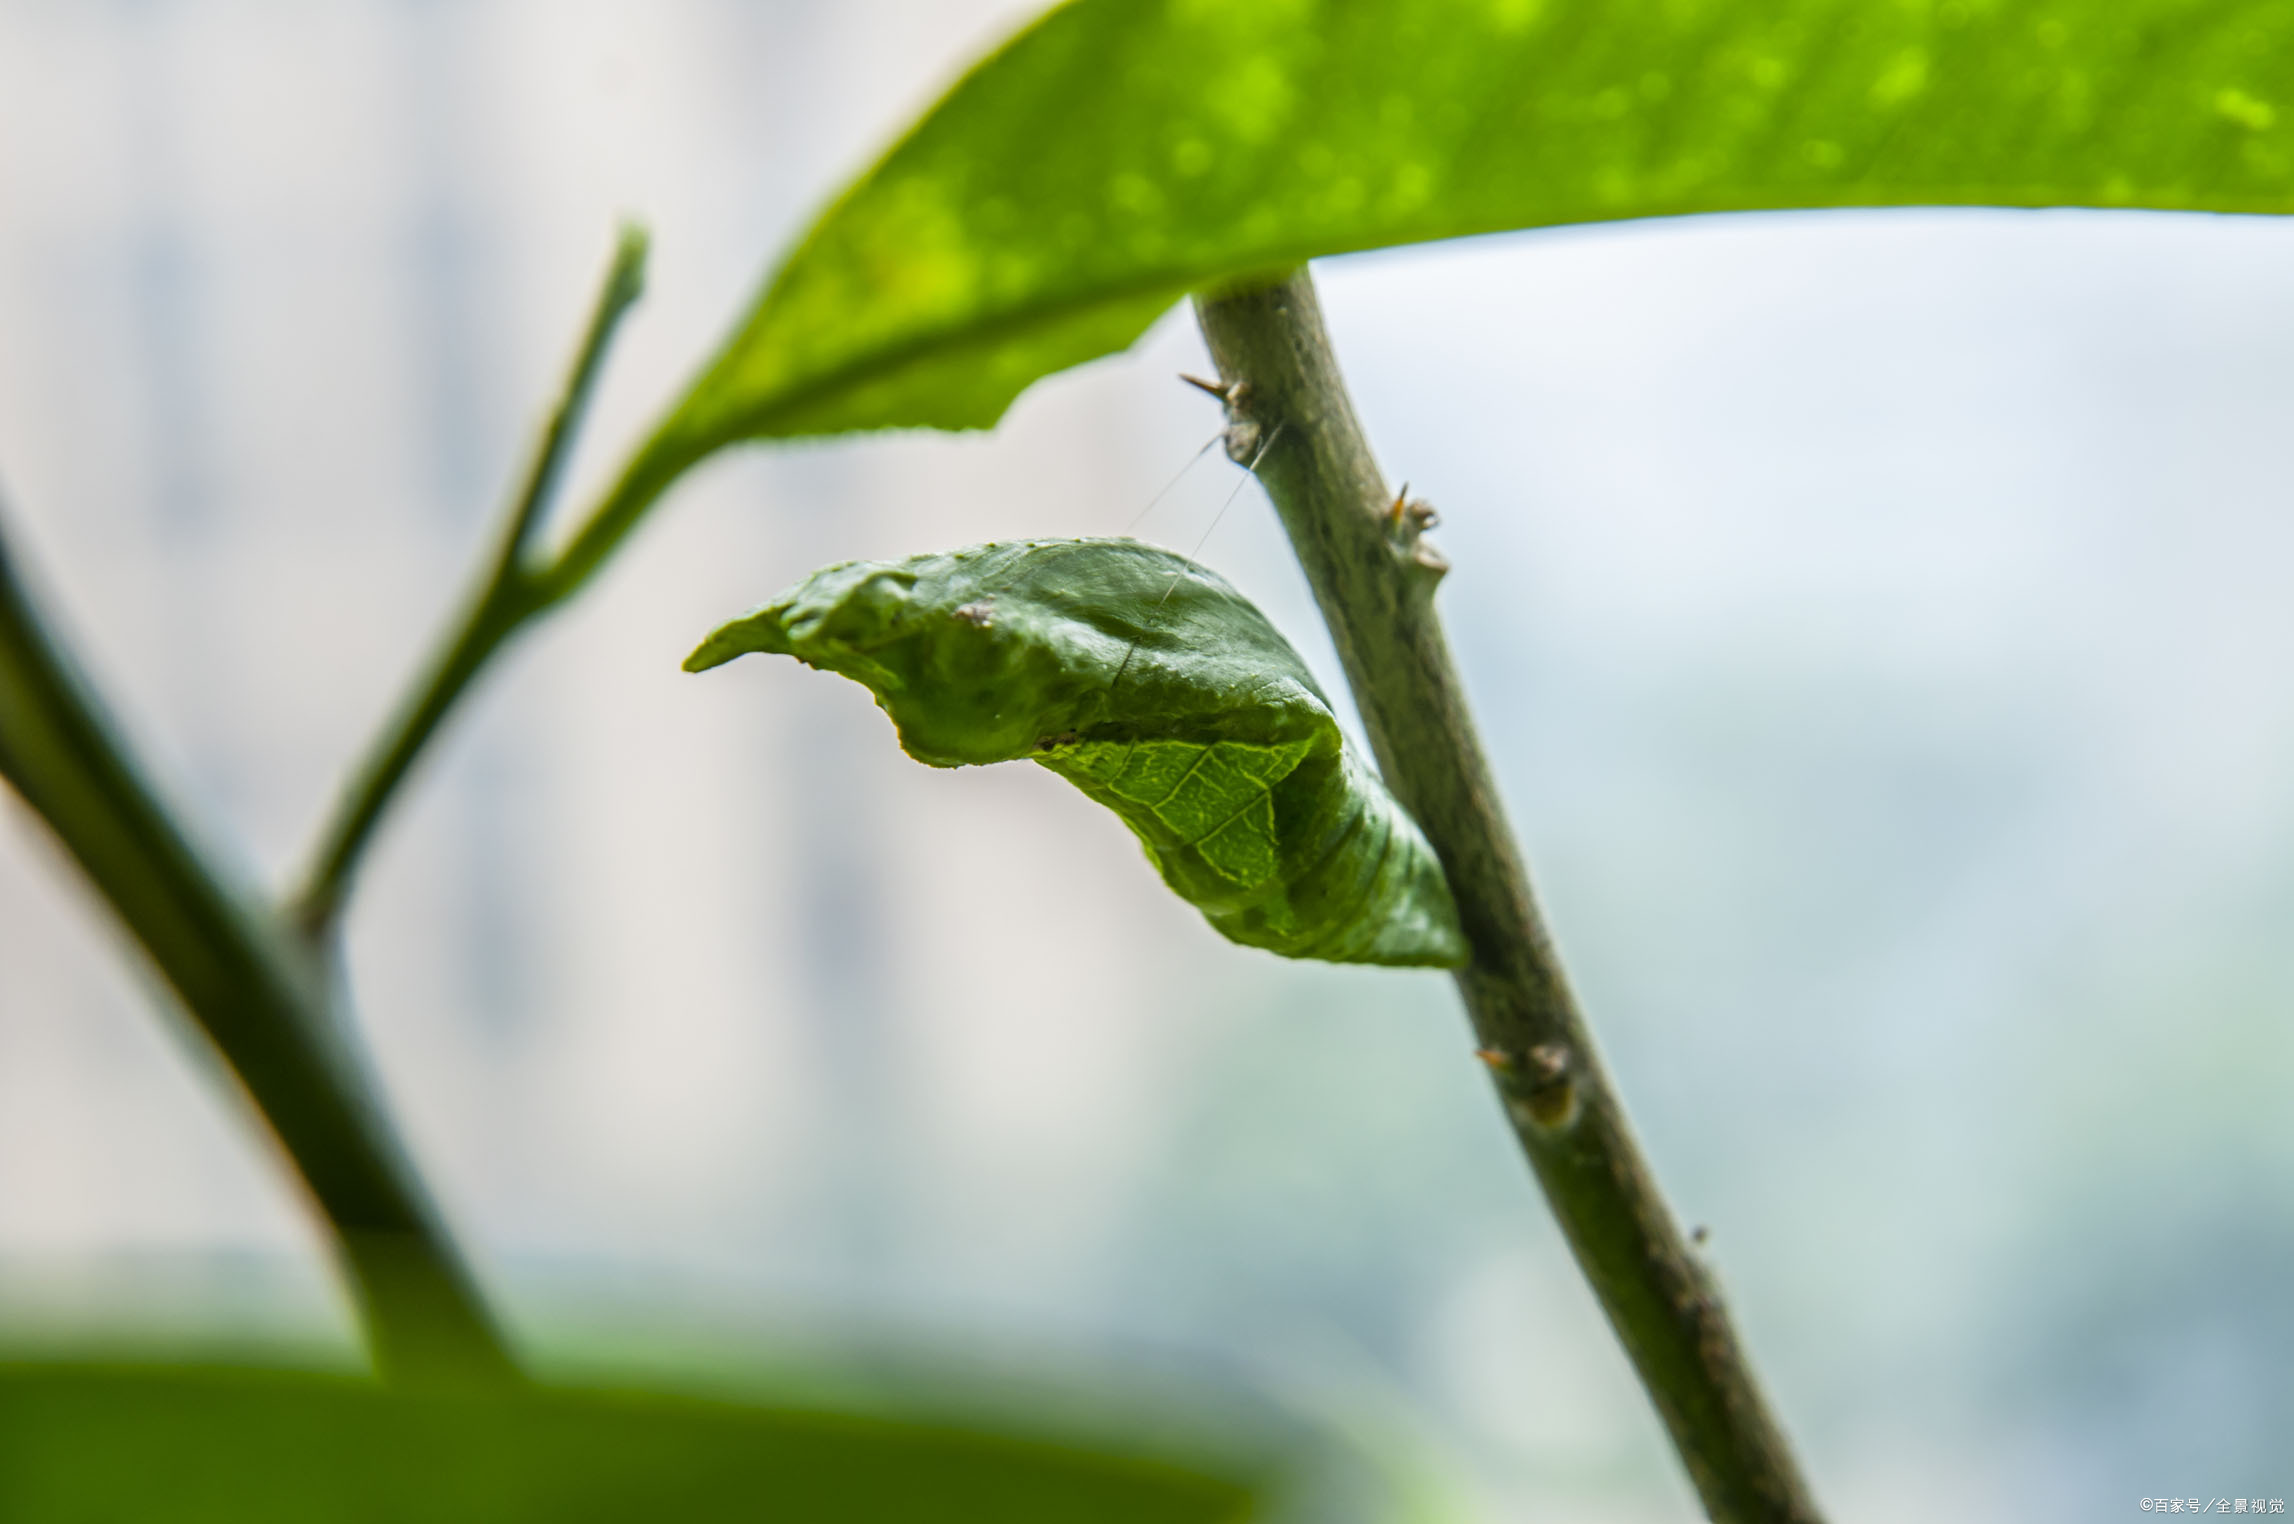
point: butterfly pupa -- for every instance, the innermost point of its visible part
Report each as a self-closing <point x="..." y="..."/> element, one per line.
<point x="1153" y="686"/>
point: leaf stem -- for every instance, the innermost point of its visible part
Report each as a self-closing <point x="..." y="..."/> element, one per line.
<point x="259" y="996"/>
<point x="510" y="590"/>
<point x="657" y="465"/>
<point x="1374" y="581"/>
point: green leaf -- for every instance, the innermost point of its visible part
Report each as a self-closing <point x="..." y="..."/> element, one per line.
<point x="1122" y="152"/>
<point x="1152" y="685"/>
<point x="94" y="1446"/>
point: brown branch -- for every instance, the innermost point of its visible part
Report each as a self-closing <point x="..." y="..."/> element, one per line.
<point x="1374" y="578"/>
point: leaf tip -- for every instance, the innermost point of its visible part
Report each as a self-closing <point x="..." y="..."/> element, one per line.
<point x="713" y="652"/>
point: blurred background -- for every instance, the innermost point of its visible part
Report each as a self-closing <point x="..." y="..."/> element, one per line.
<point x="1880" y="621"/>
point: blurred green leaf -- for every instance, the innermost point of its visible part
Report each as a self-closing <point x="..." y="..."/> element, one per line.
<point x="95" y="1445"/>
<point x="1122" y="152"/>
<point x="1153" y="686"/>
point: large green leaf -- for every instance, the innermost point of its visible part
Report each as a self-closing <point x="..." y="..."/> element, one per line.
<point x="94" y="1446"/>
<point x="1121" y="152"/>
<point x="1152" y="685"/>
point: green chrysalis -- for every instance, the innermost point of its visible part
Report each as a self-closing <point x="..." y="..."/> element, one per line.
<point x="1152" y="685"/>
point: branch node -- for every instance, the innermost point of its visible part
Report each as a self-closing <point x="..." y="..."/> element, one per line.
<point x="1407" y="521"/>
<point x="1549" y="1101"/>
<point x="1244" y="437"/>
